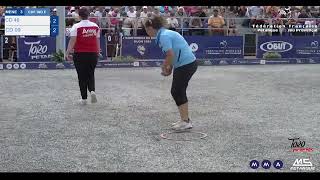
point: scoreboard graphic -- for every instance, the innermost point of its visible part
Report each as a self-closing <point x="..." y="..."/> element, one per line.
<point x="30" y="22"/>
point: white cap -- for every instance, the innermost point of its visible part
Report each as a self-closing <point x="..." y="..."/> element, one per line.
<point x="72" y="8"/>
<point x="55" y="9"/>
<point x="145" y="7"/>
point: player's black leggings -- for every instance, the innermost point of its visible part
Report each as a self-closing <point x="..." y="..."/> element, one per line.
<point x="181" y="78"/>
<point x="85" y="64"/>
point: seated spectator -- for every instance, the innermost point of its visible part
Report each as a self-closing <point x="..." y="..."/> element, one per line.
<point x="232" y="31"/>
<point x="302" y="15"/>
<point x="295" y="14"/>
<point x="216" y="24"/>
<point x="127" y="26"/>
<point x="114" y="18"/>
<point x="172" y="22"/>
<point x="144" y="13"/>
<point x="156" y="11"/>
<point x="183" y="21"/>
<point x="166" y="13"/>
<point x="131" y="13"/>
<point x="139" y="25"/>
<point x="195" y="23"/>
<point x="162" y="9"/>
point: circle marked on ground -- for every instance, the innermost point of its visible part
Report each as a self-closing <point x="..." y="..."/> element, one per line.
<point x="183" y="135"/>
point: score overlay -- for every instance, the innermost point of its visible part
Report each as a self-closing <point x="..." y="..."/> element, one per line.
<point x="30" y="22"/>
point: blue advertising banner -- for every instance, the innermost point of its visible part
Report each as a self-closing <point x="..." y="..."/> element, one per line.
<point x="103" y="45"/>
<point x="278" y="46"/>
<point x="141" y="48"/>
<point x="210" y="47"/>
<point x="36" y="48"/>
<point x="307" y="46"/>
<point x="204" y="47"/>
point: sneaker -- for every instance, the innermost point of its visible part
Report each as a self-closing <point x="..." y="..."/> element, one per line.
<point x="83" y="102"/>
<point x="182" y="125"/>
<point x="93" y="97"/>
<point x="173" y="124"/>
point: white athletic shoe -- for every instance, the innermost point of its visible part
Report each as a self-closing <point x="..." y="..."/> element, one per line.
<point x="182" y="125"/>
<point x="83" y="102"/>
<point x="93" y="97"/>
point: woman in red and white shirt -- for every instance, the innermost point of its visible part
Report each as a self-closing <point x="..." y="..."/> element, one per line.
<point x="85" y="42"/>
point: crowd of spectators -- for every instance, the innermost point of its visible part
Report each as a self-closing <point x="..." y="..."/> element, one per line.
<point x="191" y="20"/>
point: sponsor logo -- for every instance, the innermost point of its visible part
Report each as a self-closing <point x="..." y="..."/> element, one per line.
<point x="194" y="47"/>
<point x="314" y="44"/>
<point x="141" y="50"/>
<point x="37" y="50"/>
<point x="303" y="165"/>
<point x="136" y="64"/>
<point x="23" y="66"/>
<point x="89" y="32"/>
<point x="1" y="66"/>
<point x="266" y="164"/>
<point x="276" y="46"/>
<point x="16" y="66"/>
<point x="42" y="66"/>
<point x="9" y="66"/>
<point x="298" y="145"/>
<point x="223" y="44"/>
<point x="262" y="61"/>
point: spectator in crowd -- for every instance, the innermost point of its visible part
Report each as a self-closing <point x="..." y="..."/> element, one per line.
<point x="255" y="13"/>
<point x="127" y="26"/>
<point x="98" y="12"/>
<point x="195" y="23"/>
<point x="216" y="24"/>
<point x="144" y="13"/>
<point x="271" y="12"/>
<point x="302" y="15"/>
<point x="54" y="12"/>
<point x="131" y="13"/>
<point x="74" y="12"/>
<point x="162" y="9"/>
<point x="114" y="18"/>
<point x="139" y="25"/>
<point x="183" y="21"/>
<point x="295" y="14"/>
<point x="166" y="13"/>
<point x="172" y="21"/>
<point x="156" y="11"/>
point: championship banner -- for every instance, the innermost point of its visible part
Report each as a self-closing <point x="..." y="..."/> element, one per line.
<point x="210" y="47"/>
<point x="141" y="48"/>
<point x="34" y="49"/>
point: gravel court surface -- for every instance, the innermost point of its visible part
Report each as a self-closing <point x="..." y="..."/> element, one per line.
<point x="248" y="112"/>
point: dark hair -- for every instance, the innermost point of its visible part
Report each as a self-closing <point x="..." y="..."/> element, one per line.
<point x="156" y="22"/>
<point x="84" y="13"/>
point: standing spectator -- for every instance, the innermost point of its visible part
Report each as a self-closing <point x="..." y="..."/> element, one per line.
<point x="216" y="23"/>
<point x="172" y="22"/>
<point x="195" y="23"/>
<point x="131" y="13"/>
<point x="86" y="47"/>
